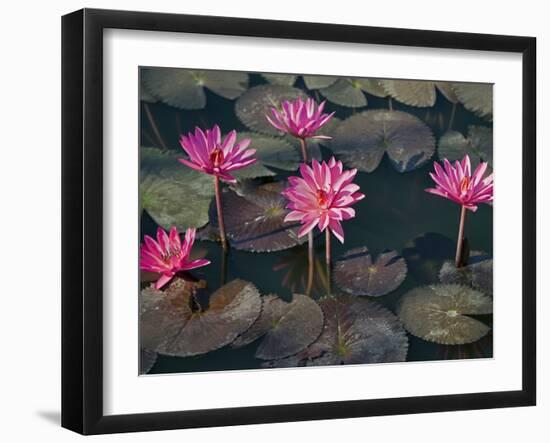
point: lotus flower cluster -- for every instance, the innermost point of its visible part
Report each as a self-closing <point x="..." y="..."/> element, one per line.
<point x="458" y="184"/>
<point x="300" y="118"/>
<point x="167" y="255"/>
<point x="322" y="197"/>
<point x="208" y="153"/>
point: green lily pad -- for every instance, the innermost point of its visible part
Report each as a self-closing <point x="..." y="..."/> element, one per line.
<point x="476" y="97"/>
<point x="173" y="194"/>
<point x="184" y="88"/>
<point x="145" y="94"/>
<point x="418" y="93"/>
<point x="147" y="360"/>
<point x="275" y="152"/>
<point x="362" y="139"/>
<point x="356" y="331"/>
<point x="319" y="81"/>
<point x="425" y="256"/>
<point x="372" y="86"/>
<point x="172" y="322"/>
<point x="254" y="219"/>
<point x="478" y="273"/>
<point x="280" y="79"/>
<point x="345" y="92"/>
<point x="478" y="145"/>
<point x="440" y="313"/>
<point x="286" y="327"/>
<point x="357" y="273"/>
<point x="253" y="106"/>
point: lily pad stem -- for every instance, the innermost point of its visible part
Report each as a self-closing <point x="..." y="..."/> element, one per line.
<point x="220" y="212"/>
<point x="154" y="126"/>
<point x="460" y="240"/>
<point x="452" y="117"/>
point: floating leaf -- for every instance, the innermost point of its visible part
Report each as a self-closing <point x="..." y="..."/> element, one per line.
<point x="358" y="274"/>
<point x="318" y="81"/>
<point x="476" y="97"/>
<point x="173" y="194"/>
<point x="439" y="313"/>
<point x="271" y="151"/>
<point x="372" y="86"/>
<point x="345" y="92"/>
<point x="419" y="93"/>
<point x="144" y="92"/>
<point x="362" y="139"/>
<point x="478" y="145"/>
<point x="425" y="255"/>
<point x="356" y="331"/>
<point x="287" y="327"/>
<point x="411" y="92"/>
<point x="147" y="360"/>
<point x="173" y="323"/>
<point x="253" y="106"/>
<point x="254" y="219"/>
<point x="478" y="273"/>
<point x="184" y="88"/>
<point x="280" y="79"/>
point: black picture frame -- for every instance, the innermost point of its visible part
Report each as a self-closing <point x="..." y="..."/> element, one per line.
<point x="82" y="219"/>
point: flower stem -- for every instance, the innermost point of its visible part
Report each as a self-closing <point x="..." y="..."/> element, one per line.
<point x="310" y="263"/>
<point x="220" y="212"/>
<point x="304" y="149"/>
<point x="310" y="252"/>
<point x="460" y="240"/>
<point x="327" y="258"/>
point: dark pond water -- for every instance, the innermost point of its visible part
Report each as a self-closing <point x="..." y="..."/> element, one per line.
<point x="395" y="212"/>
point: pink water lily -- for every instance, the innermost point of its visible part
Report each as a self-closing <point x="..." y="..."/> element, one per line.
<point x="208" y="153"/>
<point x="301" y="119"/>
<point x="322" y="197"/>
<point x="167" y="255"/>
<point x="458" y="184"/>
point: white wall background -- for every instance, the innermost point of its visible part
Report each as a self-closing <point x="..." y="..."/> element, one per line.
<point x="30" y="243"/>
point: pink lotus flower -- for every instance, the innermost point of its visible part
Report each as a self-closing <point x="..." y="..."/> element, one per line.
<point x="458" y="184"/>
<point x="208" y="153"/>
<point x="167" y="255"/>
<point x="322" y="197"/>
<point x="300" y="118"/>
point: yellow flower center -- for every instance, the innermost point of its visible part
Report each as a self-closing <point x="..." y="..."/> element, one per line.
<point x="216" y="157"/>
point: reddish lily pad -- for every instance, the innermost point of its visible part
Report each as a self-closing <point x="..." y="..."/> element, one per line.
<point x="184" y="88"/>
<point x="440" y="313"/>
<point x="173" y="323"/>
<point x="286" y="327"/>
<point x="476" y="97"/>
<point x="147" y="360"/>
<point x="362" y="139"/>
<point x="253" y="106"/>
<point x="357" y="273"/>
<point x="356" y="331"/>
<point x="254" y="219"/>
<point x="478" y="273"/>
<point x="173" y="194"/>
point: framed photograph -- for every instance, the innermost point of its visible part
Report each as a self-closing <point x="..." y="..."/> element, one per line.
<point x="270" y="221"/>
